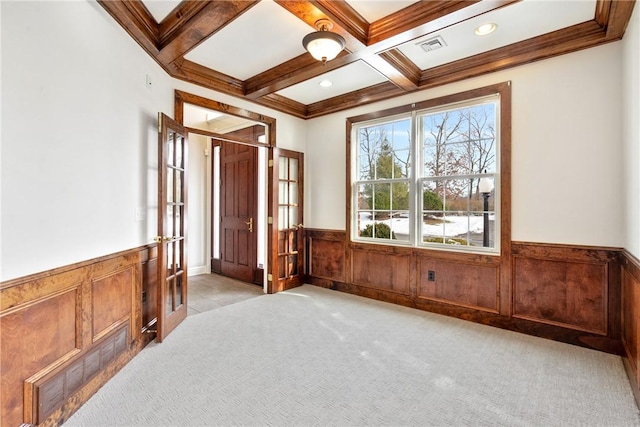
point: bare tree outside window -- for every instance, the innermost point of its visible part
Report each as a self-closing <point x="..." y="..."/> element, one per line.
<point x="440" y="201"/>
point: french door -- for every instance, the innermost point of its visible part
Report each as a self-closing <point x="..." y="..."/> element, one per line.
<point x="287" y="240"/>
<point x="172" y="217"/>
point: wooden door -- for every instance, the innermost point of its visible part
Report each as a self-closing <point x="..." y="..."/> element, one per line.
<point x="287" y="248"/>
<point x="238" y="210"/>
<point x="172" y="225"/>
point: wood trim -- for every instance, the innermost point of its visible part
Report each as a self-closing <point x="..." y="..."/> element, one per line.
<point x="284" y="105"/>
<point x="528" y="327"/>
<point x="134" y="17"/>
<point x="85" y="315"/>
<point x="48" y="390"/>
<point x="631" y="319"/>
<point x="188" y="98"/>
<point x="372" y="42"/>
<point x="195" y="73"/>
<point x="418" y="14"/>
<point x="225" y="137"/>
<point x="341" y="12"/>
<point x="379" y="92"/>
<point x="200" y="21"/>
<point x="466" y="306"/>
<point x="620" y="13"/>
<point x="177" y="19"/>
<point x="631" y="264"/>
<point x="402" y="66"/>
<point x="70" y="267"/>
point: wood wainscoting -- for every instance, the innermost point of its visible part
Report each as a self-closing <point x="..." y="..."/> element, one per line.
<point x="587" y="296"/>
<point x="631" y="319"/>
<point x="562" y="292"/>
<point x="66" y="331"/>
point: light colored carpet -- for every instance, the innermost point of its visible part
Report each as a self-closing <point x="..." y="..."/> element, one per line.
<point x="311" y="356"/>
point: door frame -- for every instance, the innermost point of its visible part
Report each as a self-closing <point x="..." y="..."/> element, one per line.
<point x="181" y="98"/>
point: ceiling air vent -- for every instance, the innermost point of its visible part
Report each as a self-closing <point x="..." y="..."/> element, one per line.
<point x="432" y="44"/>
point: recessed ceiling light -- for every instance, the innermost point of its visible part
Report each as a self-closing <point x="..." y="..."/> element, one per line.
<point x="485" y="29"/>
<point x="325" y="83"/>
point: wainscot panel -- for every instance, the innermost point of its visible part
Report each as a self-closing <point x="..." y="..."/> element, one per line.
<point x="66" y="331"/>
<point x="381" y="268"/>
<point x="631" y="320"/>
<point x="566" y="293"/>
<point x="468" y="285"/>
<point x="328" y="260"/>
<point x="569" y="294"/>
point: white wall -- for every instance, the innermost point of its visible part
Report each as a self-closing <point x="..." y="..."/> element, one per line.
<point x="78" y="136"/>
<point x="631" y="132"/>
<point x="566" y="150"/>
<point x="198" y="205"/>
<point x="79" y="139"/>
<point x="78" y="147"/>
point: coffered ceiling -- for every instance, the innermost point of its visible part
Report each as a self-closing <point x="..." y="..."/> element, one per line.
<point x="253" y="49"/>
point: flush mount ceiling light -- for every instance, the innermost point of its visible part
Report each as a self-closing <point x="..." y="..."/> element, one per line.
<point x="325" y="83"/>
<point x="485" y="29"/>
<point x="323" y="45"/>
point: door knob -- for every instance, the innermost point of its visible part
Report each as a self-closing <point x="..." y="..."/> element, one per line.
<point x="250" y="224"/>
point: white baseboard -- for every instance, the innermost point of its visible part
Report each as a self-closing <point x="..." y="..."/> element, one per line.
<point x="202" y="269"/>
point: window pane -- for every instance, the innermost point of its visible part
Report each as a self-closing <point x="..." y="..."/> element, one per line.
<point x="400" y="224"/>
<point x="283" y="168"/>
<point x="293" y="193"/>
<point x="293" y="216"/>
<point x="461" y="141"/>
<point x="283" y="218"/>
<point x="456" y="195"/>
<point x="365" y="196"/>
<point x="293" y="170"/>
<point x="384" y="150"/>
<point x="283" y="193"/>
<point x="179" y="151"/>
<point x="400" y="195"/>
<point x="382" y="196"/>
<point x="458" y="146"/>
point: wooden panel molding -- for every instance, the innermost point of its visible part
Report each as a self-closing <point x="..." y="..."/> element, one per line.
<point x="568" y="294"/>
<point x="570" y="286"/>
<point x="468" y="285"/>
<point x="326" y="254"/>
<point x="49" y="390"/>
<point x="631" y="320"/>
<point x="35" y="335"/>
<point x="52" y="320"/>
<point x="112" y="299"/>
<point x="561" y="292"/>
<point x="381" y="269"/>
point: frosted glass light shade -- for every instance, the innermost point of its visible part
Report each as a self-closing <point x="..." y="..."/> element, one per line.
<point x="323" y="45"/>
<point x="485" y="185"/>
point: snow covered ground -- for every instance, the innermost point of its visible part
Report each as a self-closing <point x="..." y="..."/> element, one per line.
<point x="451" y="226"/>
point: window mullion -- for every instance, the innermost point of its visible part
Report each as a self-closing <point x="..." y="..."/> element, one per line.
<point x="415" y="206"/>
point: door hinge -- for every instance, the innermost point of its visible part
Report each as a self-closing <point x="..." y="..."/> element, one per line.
<point x="270" y="163"/>
<point x="159" y="122"/>
<point x="269" y="220"/>
<point x="269" y="277"/>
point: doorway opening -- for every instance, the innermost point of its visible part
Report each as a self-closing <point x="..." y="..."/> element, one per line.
<point x="275" y="221"/>
<point x="228" y="221"/>
<point x="228" y="232"/>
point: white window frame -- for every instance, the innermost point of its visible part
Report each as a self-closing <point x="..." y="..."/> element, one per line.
<point x="417" y="175"/>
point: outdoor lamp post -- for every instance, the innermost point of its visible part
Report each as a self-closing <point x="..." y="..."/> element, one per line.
<point x="485" y="187"/>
